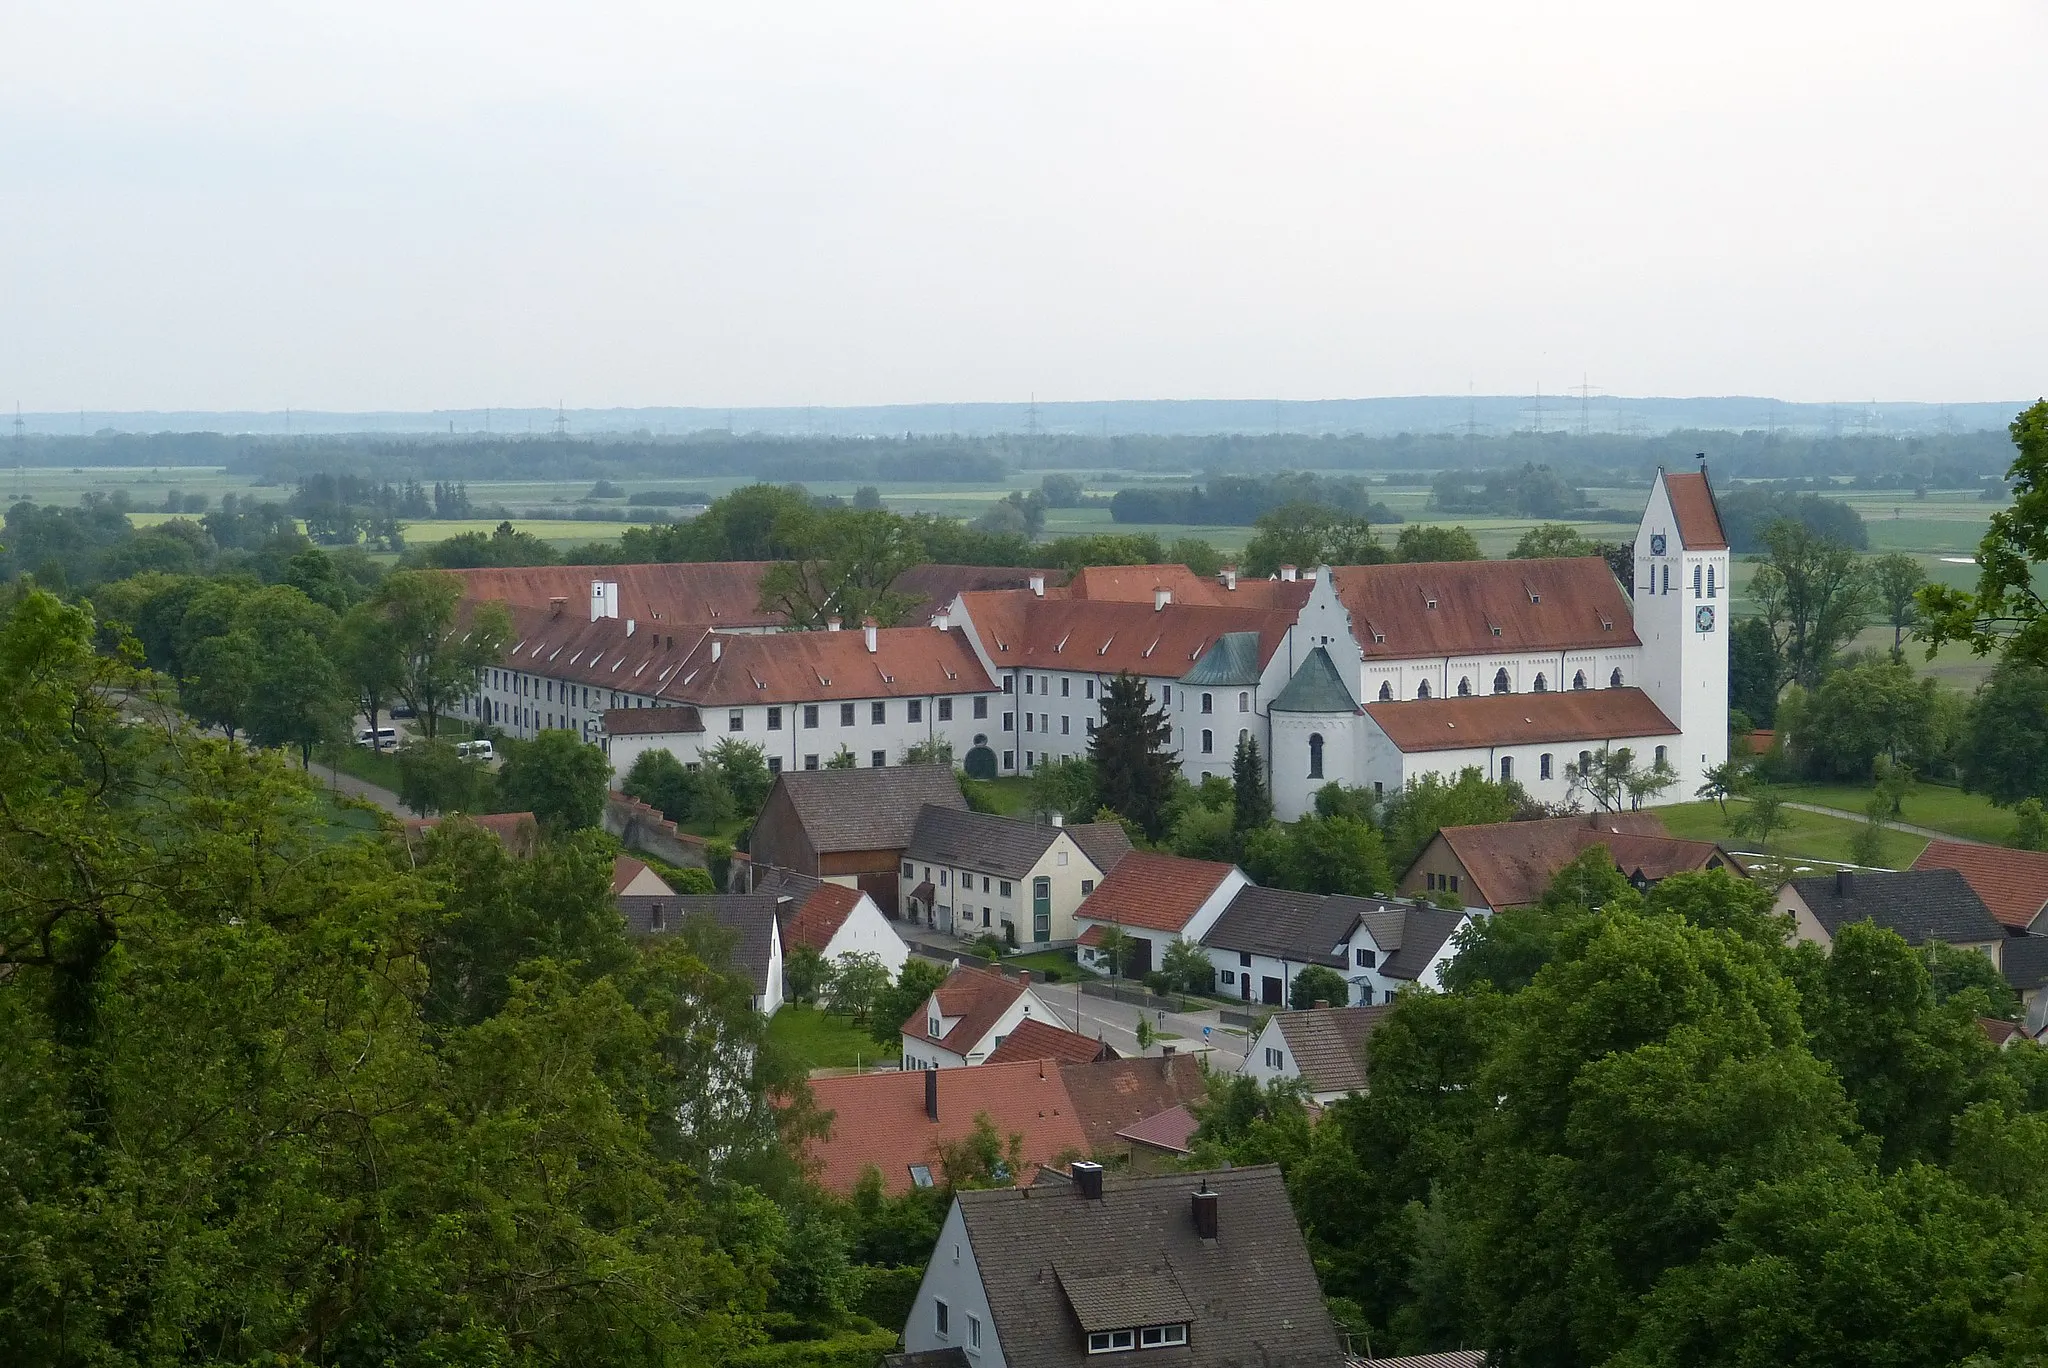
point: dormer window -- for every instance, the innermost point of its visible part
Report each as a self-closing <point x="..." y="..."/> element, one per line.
<point x="1139" y="1337"/>
<point x="932" y="1028"/>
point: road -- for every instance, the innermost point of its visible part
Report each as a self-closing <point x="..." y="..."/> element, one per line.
<point x="1116" y="1024"/>
<point x="357" y="788"/>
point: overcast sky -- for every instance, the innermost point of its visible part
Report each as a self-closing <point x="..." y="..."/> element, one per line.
<point x="431" y="204"/>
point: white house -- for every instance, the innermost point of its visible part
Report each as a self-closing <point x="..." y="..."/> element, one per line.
<point x="1266" y="936"/>
<point x="1324" y="1047"/>
<point x="1154" y="900"/>
<point x="968" y="1015"/>
<point x="750" y="917"/>
<point x="833" y="920"/>
<point x="975" y="874"/>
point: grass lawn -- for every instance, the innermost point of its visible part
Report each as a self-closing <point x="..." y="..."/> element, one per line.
<point x="824" y="1041"/>
<point x="372" y="767"/>
<point x="1011" y="796"/>
<point x="1969" y="815"/>
<point x="1805" y="835"/>
<point x="1045" y="963"/>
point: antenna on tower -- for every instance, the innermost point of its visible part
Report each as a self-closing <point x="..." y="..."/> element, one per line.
<point x="1585" y="406"/>
<point x="561" y="420"/>
<point x="1031" y="419"/>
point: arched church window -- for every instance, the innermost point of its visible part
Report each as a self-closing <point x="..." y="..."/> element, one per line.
<point x="1542" y="683"/>
<point x="1422" y="690"/>
<point x="1579" y="680"/>
<point x="1315" y="755"/>
<point x="1500" y="680"/>
<point x="1614" y="680"/>
<point x="1464" y="686"/>
<point x="1387" y="691"/>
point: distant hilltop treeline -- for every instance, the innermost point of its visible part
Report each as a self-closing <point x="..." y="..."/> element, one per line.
<point x="1947" y="460"/>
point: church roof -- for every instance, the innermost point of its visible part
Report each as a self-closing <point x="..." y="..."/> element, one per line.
<point x="1692" y="505"/>
<point x="1233" y="660"/>
<point x="1317" y="687"/>
<point x="1448" y="608"/>
<point x="1433" y="724"/>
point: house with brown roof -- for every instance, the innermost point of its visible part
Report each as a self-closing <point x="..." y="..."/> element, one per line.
<point x="901" y="1122"/>
<point x="976" y="874"/>
<point x="2012" y="883"/>
<point x="1110" y="1096"/>
<point x="1153" y="899"/>
<point x="1035" y="1039"/>
<point x="1510" y="864"/>
<point x="631" y="877"/>
<point x="1205" y="1270"/>
<point x="830" y="918"/>
<point x="1324" y="1047"/>
<point x="850" y="826"/>
<point x="969" y="1016"/>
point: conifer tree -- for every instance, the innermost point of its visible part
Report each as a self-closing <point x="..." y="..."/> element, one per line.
<point x="1248" y="785"/>
<point x="1134" y="771"/>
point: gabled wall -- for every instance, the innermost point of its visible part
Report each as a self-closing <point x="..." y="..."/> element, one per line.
<point x="953" y="1276"/>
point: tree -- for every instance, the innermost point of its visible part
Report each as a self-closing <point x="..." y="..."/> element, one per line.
<point x="1202" y="833"/>
<point x="1814" y="596"/>
<point x="806" y="974"/>
<point x="1724" y="781"/>
<point x="743" y="768"/>
<point x="1611" y="776"/>
<point x="1187" y="965"/>
<point x="222" y="687"/>
<point x="433" y="778"/>
<point x="2030" y="825"/>
<point x="1318" y="983"/>
<point x="1953" y="970"/>
<point x="915" y="982"/>
<point x="1896" y="580"/>
<point x="1066" y="786"/>
<point x="558" y="778"/>
<point x="1318" y="854"/>
<point x="1756" y="670"/>
<point x="1761" y="816"/>
<point x="1134" y="772"/>
<point x="2004" y="752"/>
<point x="1308" y="535"/>
<point x="858" y="981"/>
<point x="1429" y="803"/>
<point x="1418" y="543"/>
<point x="935" y="751"/>
<point x="844" y="564"/>
<point x="1113" y="948"/>
<point x="658" y="779"/>
<point x="2004" y="614"/>
<point x="299" y="699"/>
<point x="843" y="758"/>
<point x="366" y="652"/>
<point x="1552" y="539"/>
<point x="1251" y="803"/>
<point x="1859" y="714"/>
<point x="438" y="658"/>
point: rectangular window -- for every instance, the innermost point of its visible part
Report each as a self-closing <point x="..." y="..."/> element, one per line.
<point x="940" y="1318"/>
<point x="1066" y="725"/>
<point x="1543" y="765"/>
<point x="909" y="870"/>
<point x="810" y="762"/>
<point x="1364" y="958"/>
<point x="775" y="719"/>
<point x="974" y="1332"/>
<point x="1454" y="883"/>
<point x="878" y="713"/>
<point x="1208" y="703"/>
<point x="1009" y="721"/>
<point x="945" y="710"/>
<point x="1091" y="688"/>
<point x="1227" y="977"/>
<point x="1042" y="725"/>
<point x="1029" y="720"/>
<point x="1507" y="768"/>
<point x="810" y="715"/>
<point x="945" y="877"/>
<point x="1166" y="693"/>
<point x="846" y="714"/>
<point x="1109" y="1341"/>
<point x="878" y="759"/>
<point x="1710" y="581"/>
<point x="984" y="883"/>
<point x="1275" y="1059"/>
<point x="1009" y="684"/>
<point x="551" y="691"/>
<point x="1061" y="859"/>
<point x="1066" y="687"/>
<point x="981" y="707"/>
<point x="1005" y="888"/>
<point x="1009" y="757"/>
<point x="1087" y="887"/>
<point x="775" y="764"/>
<point x="914" y="710"/>
<point x="736" y="720"/>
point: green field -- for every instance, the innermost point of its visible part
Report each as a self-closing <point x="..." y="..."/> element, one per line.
<point x="1968" y="815"/>
<point x="821" y="1040"/>
<point x="1805" y="835"/>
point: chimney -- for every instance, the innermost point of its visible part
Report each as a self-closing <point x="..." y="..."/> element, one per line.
<point x="1087" y="1180"/>
<point x="1024" y="977"/>
<point x="630" y="625"/>
<point x="1230" y="578"/>
<point x="868" y="628"/>
<point x="556" y="605"/>
<point x="931" y="1094"/>
<point x="1287" y="574"/>
<point x="942" y="620"/>
<point x="1205" y="1212"/>
<point x="832" y="623"/>
<point x="1322" y="1004"/>
<point x="596" y="599"/>
<point x="604" y="599"/>
<point x="1845" y="882"/>
<point x="717" y="649"/>
<point x="1161" y="596"/>
<point x="1037" y="583"/>
<point x="1059" y="819"/>
<point x="1166" y="1061"/>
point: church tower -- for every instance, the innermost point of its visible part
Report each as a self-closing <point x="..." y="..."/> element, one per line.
<point x="1682" y="595"/>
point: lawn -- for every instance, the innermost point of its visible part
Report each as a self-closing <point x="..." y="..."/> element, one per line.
<point x="1051" y="966"/>
<point x="822" y="1040"/>
<point x="372" y="767"/>
<point x="1969" y="815"/>
<point x="1805" y="835"/>
<point x="1011" y="796"/>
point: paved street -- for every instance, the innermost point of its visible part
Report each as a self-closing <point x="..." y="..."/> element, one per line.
<point x="349" y="784"/>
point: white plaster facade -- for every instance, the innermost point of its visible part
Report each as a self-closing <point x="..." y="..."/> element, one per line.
<point x="948" y="1053"/>
<point x="972" y="902"/>
<point x="953" y="1279"/>
<point x="867" y="932"/>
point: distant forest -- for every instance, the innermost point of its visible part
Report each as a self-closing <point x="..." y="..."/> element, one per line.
<point x="1960" y="460"/>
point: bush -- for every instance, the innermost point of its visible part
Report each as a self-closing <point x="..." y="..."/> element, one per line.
<point x="886" y="1294"/>
<point x="861" y="1349"/>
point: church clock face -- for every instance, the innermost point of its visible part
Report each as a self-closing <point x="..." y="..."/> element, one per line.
<point x="1657" y="543"/>
<point x="1703" y="619"/>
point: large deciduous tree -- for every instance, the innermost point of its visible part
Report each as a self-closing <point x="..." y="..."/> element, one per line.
<point x="1815" y="596"/>
<point x="2004" y="752"/>
<point x="1310" y="534"/>
<point x="559" y="778"/>
<point x="439" y="655"/>
<point x="2005" y="614"/>
<point x="844" y="566"/>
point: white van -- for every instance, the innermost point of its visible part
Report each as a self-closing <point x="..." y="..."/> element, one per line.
<point x="475" y="750"/>
<point x="379" y="739"/>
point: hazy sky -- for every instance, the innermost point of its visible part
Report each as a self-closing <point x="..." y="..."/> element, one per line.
<point x="433" y="204"/>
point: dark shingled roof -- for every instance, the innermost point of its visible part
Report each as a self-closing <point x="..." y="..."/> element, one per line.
<point x="1233" y="661"/>
<point x="1104" y="843"/>
<point x="2025" y="961"/>
<point x="1410" y="935"/>
<point x="1303" y="927"/>
<point x="867" y="809"/>
<point x="749" y="916"/>
<point x="979" y="840"/>
<point x="1317" y="687"/>
<point x="1920" y="904"/>
<point x="1328" y="1044"/>
<point x="1053" y="1261"/>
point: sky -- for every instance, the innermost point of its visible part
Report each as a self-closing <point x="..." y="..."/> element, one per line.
<point x="439" y="204"/>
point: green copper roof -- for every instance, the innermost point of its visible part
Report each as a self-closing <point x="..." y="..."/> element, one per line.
<point x="1317" y="687"/>
<point x="1234" y="659"/>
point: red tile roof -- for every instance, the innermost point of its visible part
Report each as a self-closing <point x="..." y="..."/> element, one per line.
<point x="819" y="917"/>
<point x="2000" y="1033"/>
<point x="1564" y="604"/>
<point x="978" y="997"/>
<point x="816" y="667"/>
<point x="879" y="1120"/>
<point x="625" y="869"/>
<point x="668" y="721"/>
<point x="2012" y="883"/>
<point x="601" y="654"/>
<point x="1512" y="863"/>
<point x="1041" y="1040"/>
<point x="1107" y="636"/>
<point x="1433" y="724"/>
<point x="1172" y="1130"/>
<point x="1136" y="583"/>
<point x="518" y="830"/>
<point x="1152" y="891"/>
<point x="1692" y="504"/>
<point x="1113" y="1095"/>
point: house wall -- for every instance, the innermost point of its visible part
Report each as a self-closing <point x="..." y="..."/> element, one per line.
<point x="1262" y="967"/>
<point x="953" y="1276"/>
<point x="770" y="1002"/>
<point x="1293" y="786"/>
<point x="1477" y="674"/>
<point x="1197" y="925"/>
<point x="953" y="1054"/>
<point x="779" y="838"/>
<point x="1437" y="858"/>
<point x="961" y="900"/>
<point x="1257" y="1065"/>
<point x="1392" y="769"/>
<point x="867" y="932"/>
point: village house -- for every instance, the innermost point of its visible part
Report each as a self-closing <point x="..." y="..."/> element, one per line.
<point x="1921" y="905"/>
<point x="1266" y="936"/>
<point x="632" y="878"/>
<point x="1500" y="865"/>
<point x="850" y="826"/>
<point x="1153" y="900"/>
<point x="1324" y="1047"/>
<point x="1208" y="1267"/>
<point x="2012" y="883"/>
<point x="830" y="918"/>
<point x="1036" y="1039"/>
<point x="975" y="874"/>
<point x="749" y="917"/>
<point x="969" y="1016"/>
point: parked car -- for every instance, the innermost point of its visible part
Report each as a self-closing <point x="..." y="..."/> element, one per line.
<point x="475" y="750"/>
<point x="402" y="710"/>
<point x="378" y="739"/>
